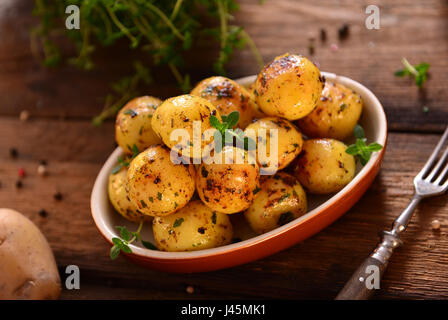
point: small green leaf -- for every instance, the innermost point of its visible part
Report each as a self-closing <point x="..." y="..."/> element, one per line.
<point x="126" y="249"/>
<point x="358" y="132"/>
<point x="178" y="222"/>
<point x="124" y="233"/>
<point x="159" y="195"/>
<point x="352" y="149"/>
<point x="215" y="123"/>
<point x="232" y="119"/>
<point x="149" y="245"/>
<point x="115" y="252"/>
<point x="117" y="241"/>
<point x="116" y="169"/>
<point x="401" y="73"/>
<point x="374" y="147"/>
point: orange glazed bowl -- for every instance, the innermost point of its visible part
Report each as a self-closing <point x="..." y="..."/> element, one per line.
<point x="323" y="210"/>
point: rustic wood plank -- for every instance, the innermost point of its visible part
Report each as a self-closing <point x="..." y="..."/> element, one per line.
<point x="315" y="268"/>
<point x="417" y="30"/>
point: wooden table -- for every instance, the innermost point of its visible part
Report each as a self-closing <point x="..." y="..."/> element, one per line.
<point x="62" y="101"/>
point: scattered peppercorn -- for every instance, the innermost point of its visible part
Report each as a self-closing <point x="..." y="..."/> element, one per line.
<point x="323" y="35"/>
<point x="43" y="213"/>
<point x="435" y="224"/>
<point x="24" y="115"/>
<point x="42" y="170"/>
<point x="57" y="196"/>
<point x="43" y="162"/>
<point x="19" y="184"/>
<point x="21" y="172"/>
<point x="343" y="32"/>
<point x="311" y="46"/>
<point x="13" y="153"/>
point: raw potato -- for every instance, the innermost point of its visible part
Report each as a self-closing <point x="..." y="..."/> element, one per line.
<point x="228" y="187"/>
<point x="133" y="124"/>
<point x="228" y="96"/>
<point x="289" y="140"/>
<point x="194" y="227"/>
<point x="336" y="114"/>
<point x="27" y="266"/>
<point x="289" y="87"/>
<point x="280" y="200"/>
<point x="180" y="113"/>
<point x="324" y="166"/>
<point x="119" y="197"/>
<point x="157" y="186"/>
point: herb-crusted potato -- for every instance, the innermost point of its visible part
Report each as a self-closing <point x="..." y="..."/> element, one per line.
<point x="179" y="113"/>
<point x="228" y="96"/>
<point x="289" y="140"/>
<point x="336" y="114"/>
<point x="228" y="187"/>
<point x="119" y="198"/>
<point x="324" y="166"/>
<point x="133" y="124"/>
<point x="157" y="186"/>
<point x="194" y="227"/>
<point x="280" y="200"/>
<point x="288" y="87"/>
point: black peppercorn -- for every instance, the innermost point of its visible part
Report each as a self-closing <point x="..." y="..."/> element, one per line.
<point x="13" y="153"/>
<point x="57" y="196"/>
<point x="19" y="184"/>
<point x="43" y="213"/>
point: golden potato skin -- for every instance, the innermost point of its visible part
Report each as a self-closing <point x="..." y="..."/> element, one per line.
<point x="157" y="186"/>
<point x="133" y="124"/>
<point x="336" y="114"/>
<point x="288" y="87"/>
<point x="227" y="188"/>
<point x="290" y="140"/>
<point x="280" y="200"/>
<point x="179" y="113"/>
<point x="194" y="227"/>
<point x="324" y="166"/>
<point x="119" y="198"/>
<point x="229" y="96"/>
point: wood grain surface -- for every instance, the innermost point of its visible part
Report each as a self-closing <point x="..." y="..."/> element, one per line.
<point x="62" y="101"/>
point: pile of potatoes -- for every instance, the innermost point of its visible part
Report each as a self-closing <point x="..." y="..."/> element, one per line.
<point x="189" y="204"/>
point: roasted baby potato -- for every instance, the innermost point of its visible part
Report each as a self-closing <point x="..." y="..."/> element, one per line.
<point x="119" y="197"/>
<point x="228" y="96"/>
<point x="28" y="269"/>
<point x="180" y="113"/>
<point x="194" y="227"/>
<point x="324" y="166"/>
<point x="133" y="124"/>
<point x="280" y="200"/>
<point x="289" y="87"/>
<point x="289" y="141"/>
<point x="228" y="187"/>
<point x="337" y="112"/>
<point x="157" y="186"/>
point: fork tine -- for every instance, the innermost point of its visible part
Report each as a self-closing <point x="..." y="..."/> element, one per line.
<point x="438" y="165"/>
<point x="442" y="174"/>
<point x="433" y="156"/>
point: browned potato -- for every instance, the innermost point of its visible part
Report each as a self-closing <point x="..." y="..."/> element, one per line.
<point x="289" y="141"/>
<point x="336" y="114"/>
<point x="288" y="87"/>
<point x="194" y="227"/>
<point x="157" y="186"/>
<point x="280" y="200"/>
<point x="324" y="166"/>
<point x="229" y="96"/>
<point x="228" y="188"/>
<point x="133" y="124"/>
<point x="180" y="113"/>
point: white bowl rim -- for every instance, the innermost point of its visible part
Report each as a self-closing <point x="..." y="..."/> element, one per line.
<point x="103" y="175"/>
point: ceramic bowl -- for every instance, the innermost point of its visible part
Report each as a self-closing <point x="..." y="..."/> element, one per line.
<point x="323" y="210"/>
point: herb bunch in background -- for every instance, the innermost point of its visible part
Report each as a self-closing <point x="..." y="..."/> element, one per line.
<point x="164" y="29"/>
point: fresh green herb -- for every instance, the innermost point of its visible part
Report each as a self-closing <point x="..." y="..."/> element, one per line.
<point x="178" y="222"/>
<point x="214" y="217"/>
<point x="126" y="238"/>
<point x="360" y="149"/>
<point x="159" y="195"/>
<point x="130" y="112"/>
<point x="226" y="126"/>
<point x="283" y="197"/>
<point x="256" y="190"/>
<point x="125" y="163"/>
<point x="163" y="30"/>
<point x="419" y="72"/>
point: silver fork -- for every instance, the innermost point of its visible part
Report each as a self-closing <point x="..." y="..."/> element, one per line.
<point x="431" y="181"/>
